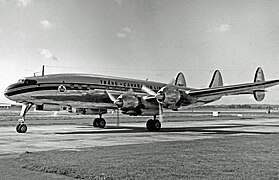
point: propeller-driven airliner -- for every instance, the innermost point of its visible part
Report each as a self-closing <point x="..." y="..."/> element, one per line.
<point x="95" y="94"/>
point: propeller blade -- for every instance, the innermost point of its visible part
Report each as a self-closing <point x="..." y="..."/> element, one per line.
<point x="172" y="82"/>
<point x="160" y="113"/>
<point x="112" y="98"/>
<point x="148" y="90"/>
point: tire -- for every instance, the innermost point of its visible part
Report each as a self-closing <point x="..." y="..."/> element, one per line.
<point x="18" y="128"/>
<point x="102" y="123"/>
<point x="21" y="128"/>
<point x="153" y="125"/>
<point x="96" y="122"/>
<point x="149" y="125"/>
<point x="157" y="125"/>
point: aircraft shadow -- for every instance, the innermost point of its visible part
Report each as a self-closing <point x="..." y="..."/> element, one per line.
<point x="201" y="129"/>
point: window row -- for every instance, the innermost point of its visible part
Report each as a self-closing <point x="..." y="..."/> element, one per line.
<point x="124" y="84"/>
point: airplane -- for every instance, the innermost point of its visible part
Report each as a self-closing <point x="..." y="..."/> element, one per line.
<point x="95" y="94"/>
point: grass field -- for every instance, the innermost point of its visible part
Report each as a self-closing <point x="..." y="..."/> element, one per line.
<point x="240" y="157"/>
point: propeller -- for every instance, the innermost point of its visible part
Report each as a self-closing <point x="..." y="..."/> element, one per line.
<point x="118" y="102"/>
<point x="148" y="91"/>
<point x="160" y="113"/>
<point x="158" y="96"/>
<point x="127" y="100"/>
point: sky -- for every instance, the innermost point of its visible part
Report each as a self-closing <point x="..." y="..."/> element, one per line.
<point x="142" y="39"/>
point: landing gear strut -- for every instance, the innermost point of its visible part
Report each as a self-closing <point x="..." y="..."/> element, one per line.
<point x="153" y="124"/>
<point x="99" y="122"/>
<point x="21" y="127"/>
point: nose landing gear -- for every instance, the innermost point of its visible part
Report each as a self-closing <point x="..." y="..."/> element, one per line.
<point x="21" y="127"/>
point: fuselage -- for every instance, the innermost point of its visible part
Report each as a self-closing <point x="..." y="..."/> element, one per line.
<point x="77" y="90"/>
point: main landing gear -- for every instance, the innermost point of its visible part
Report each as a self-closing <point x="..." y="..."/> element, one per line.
<point x="99" y="122"/>
<point x="153" y="124"/>
<point x="21" y="127"/>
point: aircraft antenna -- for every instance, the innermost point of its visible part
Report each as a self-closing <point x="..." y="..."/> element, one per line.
<point x="43" y="70"/>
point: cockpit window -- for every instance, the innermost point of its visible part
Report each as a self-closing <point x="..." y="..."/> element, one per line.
<point x="27" y="81"/>
<point x="30" y="82"/>
<point x="21" y="80"/>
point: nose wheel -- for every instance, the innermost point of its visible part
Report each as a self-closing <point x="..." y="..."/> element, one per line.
<point x="21" y="127"/>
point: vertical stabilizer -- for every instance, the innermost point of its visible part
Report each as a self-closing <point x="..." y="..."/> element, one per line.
<point x="180" y="80"/>
<point x="259" y="75"/>
<point x="217" y="80"/>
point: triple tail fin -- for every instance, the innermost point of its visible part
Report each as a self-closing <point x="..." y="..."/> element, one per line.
<point x="179" y="80"/>
<point x="259" y="77"/>
<point x="217" y="80"/>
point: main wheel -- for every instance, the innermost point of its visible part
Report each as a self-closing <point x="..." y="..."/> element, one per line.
<point x="102" y="123"/>
<point x="153" y="125"/>
<point x="157" y="125"/>
<point x="99" y="122"/>
<point x="96" y="122"/>
<point x="21" y="128"/>
<point x="149" y="125"/>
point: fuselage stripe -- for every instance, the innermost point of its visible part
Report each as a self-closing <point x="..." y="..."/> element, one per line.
<point x="69" y="86"/>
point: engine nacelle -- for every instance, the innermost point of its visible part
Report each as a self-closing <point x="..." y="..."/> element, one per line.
<point x="127" y="102"/>
<point x="168" y="97"/>
<point x="144" y="108"/>
<point x="48" y="107"/>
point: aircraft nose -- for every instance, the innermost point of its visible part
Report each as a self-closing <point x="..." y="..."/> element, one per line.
<point x="6" y="92"/>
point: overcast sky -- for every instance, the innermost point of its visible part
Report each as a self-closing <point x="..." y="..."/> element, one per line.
<point x="142" y="39"/>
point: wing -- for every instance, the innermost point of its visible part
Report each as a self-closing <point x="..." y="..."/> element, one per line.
<point x="246" y="88"/>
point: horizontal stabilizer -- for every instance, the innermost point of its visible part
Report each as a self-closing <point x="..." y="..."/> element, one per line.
<point x="217" y="80"/>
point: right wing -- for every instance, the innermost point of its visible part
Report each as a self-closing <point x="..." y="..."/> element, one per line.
<point x="246" y="88"/>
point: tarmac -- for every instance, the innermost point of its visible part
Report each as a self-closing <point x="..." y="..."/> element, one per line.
<point x="78" y="136"/>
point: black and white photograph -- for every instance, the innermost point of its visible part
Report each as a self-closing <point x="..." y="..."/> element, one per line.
<point x="139" y="89"/>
